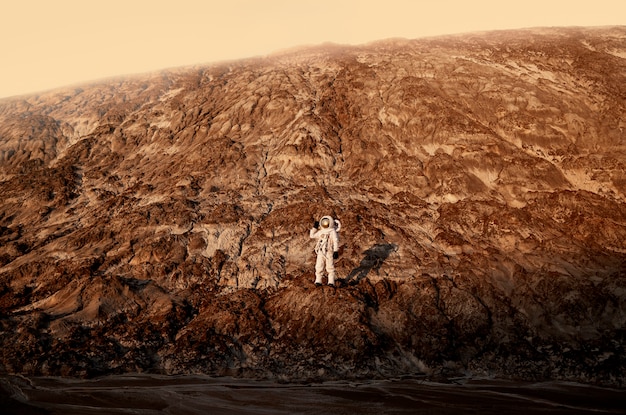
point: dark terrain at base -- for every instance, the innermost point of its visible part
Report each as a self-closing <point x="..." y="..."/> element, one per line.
<point x="143" y="395"/>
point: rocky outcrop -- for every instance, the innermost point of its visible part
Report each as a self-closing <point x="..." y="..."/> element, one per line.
<point x="160" y="223"/>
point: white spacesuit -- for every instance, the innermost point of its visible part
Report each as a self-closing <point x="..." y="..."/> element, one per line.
<point x="326" y="248"/>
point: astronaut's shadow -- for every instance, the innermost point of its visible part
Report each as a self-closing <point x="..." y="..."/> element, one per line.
<point x="373" y="260"/>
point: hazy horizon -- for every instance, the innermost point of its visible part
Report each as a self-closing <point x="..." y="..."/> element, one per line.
<point x="47" y="45"/>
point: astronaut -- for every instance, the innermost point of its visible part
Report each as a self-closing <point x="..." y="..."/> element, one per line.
<point x="327" y="248"/>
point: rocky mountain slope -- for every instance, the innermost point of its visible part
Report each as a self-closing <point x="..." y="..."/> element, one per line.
<point x="160" y="223"/>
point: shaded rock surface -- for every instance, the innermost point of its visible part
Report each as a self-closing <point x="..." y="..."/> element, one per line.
<point x="160" y="223"/>
<point x="147" y="394"/>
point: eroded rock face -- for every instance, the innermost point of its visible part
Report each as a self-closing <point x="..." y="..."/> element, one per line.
<point x="160" y="223"/>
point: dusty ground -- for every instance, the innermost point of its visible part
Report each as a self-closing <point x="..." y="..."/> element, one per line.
<point x="203" y="395"/>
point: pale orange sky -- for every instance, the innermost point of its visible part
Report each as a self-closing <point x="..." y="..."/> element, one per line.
<point x="46" y="44"/>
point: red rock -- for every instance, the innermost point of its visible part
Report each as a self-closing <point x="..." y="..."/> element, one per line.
<point x="160" y="222"/>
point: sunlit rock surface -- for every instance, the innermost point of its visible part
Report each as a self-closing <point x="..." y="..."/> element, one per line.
<point x="160" y="223"/>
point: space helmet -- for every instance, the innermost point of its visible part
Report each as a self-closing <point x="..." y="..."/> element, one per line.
<point x="326" y="222"/>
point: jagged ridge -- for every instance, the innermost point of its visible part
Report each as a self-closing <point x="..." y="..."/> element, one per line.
<point x="159" y="223"/>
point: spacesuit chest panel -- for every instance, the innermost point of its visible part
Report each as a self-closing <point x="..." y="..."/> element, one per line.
<point x="323" y="245"/>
